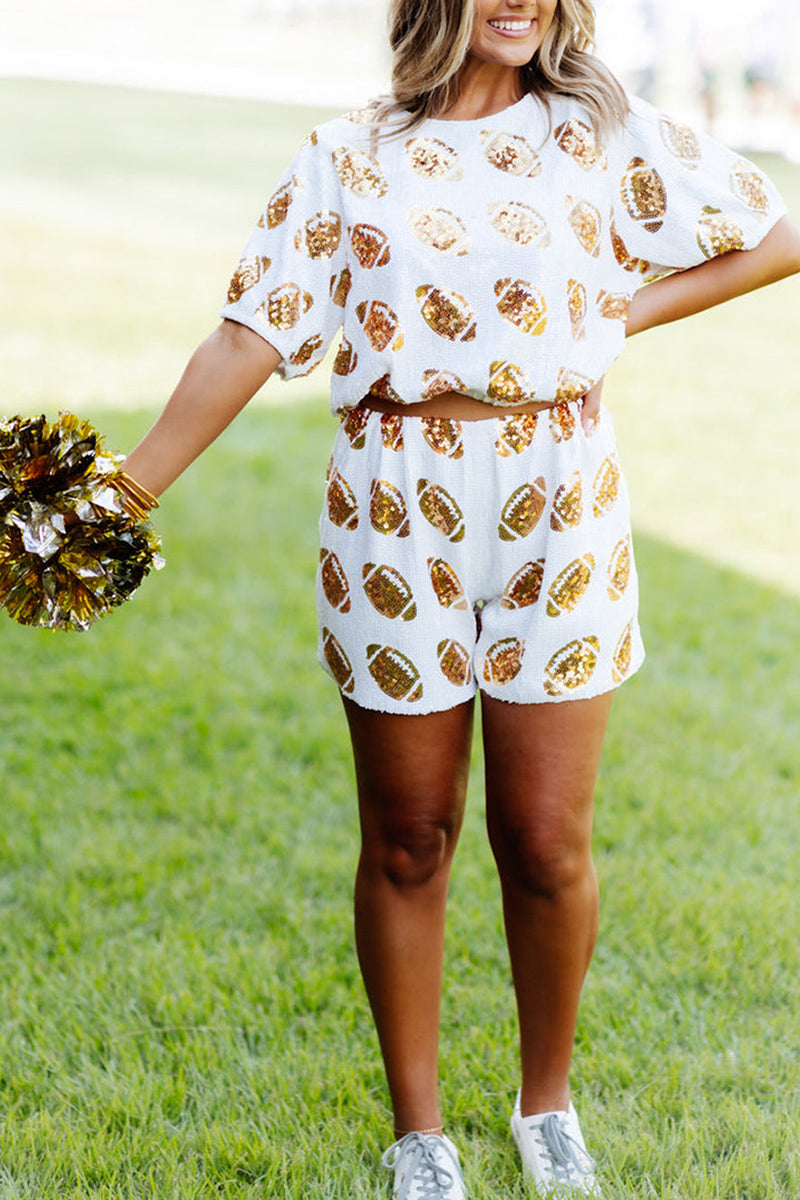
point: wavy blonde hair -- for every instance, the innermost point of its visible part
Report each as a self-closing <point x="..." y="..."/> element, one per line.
<point x="430" y="41"/>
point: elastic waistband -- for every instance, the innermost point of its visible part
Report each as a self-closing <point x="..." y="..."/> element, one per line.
<point x="453" y="405"/>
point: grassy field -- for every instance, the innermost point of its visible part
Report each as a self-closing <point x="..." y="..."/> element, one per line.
<point x="180" y="1011"/>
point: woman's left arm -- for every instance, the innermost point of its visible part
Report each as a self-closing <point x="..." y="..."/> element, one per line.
<point x="691" y="291"/>
<point x="697" y="288"/>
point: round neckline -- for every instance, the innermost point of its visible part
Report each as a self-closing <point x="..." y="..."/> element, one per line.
<point x="501" y="115"/>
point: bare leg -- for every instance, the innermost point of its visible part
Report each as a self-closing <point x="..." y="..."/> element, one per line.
<point x="541" y="764"/>
<point x="412" y="778"/>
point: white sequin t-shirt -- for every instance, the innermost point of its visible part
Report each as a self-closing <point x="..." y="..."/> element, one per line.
<point x="494" y="257"/>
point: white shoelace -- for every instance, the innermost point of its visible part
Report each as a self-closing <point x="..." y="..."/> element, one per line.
<point x="430" y="1179"/>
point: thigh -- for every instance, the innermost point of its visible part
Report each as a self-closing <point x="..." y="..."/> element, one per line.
<point x="410" y="769"/>
<point x="541" y="767"/>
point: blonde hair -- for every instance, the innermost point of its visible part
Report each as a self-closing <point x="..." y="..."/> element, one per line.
<point x="430" y="41"/>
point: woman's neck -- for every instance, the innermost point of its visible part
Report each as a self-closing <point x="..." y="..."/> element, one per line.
<point x="485" y="89"/>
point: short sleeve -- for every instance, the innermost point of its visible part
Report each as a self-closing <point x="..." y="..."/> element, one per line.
<point x="283" y="285"/>
<point x="680" y="197"/>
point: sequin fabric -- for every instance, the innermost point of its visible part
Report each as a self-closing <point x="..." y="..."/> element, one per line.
<point x="493" y="554"/>
<point x="494" y="257"/>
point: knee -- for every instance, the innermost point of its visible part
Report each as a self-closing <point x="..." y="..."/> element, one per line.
<point x="544" y="859"/>
<point x="410" y="851"/>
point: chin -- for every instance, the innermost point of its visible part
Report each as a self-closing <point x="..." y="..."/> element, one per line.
<point x="514" y="55"/>
<point x="516" y="59"/>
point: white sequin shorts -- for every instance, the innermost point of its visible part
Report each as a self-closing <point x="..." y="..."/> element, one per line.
<point x="462" y="554"/>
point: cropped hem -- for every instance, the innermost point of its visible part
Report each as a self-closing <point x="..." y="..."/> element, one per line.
<point x="397" y="709"/>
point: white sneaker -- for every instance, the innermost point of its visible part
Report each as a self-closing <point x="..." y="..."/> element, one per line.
<point x="554" y="1157"/>
<point x="426" y="1167"/>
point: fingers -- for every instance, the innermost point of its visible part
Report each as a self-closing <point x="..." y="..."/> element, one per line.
<point x="590" y="406"/>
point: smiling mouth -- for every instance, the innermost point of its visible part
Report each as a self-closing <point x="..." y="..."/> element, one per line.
<point x="512" y="26"/>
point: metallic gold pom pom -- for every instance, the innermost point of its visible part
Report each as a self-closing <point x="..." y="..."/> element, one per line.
<point x="73" y="539"/>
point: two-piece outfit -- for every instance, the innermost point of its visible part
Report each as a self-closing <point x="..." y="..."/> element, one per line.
<point x="495" y="258"/>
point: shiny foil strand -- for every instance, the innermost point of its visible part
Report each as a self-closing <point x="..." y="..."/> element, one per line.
<point x="69" y="550"/>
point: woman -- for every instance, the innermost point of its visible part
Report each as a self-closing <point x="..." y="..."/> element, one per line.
<point x="481" y="237"/>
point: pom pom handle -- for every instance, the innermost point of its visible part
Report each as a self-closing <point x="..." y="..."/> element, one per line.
<point x="74" y="538"/>
<point x="135" y="497"/>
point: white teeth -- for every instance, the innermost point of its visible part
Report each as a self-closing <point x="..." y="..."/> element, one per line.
<point x="510" y="26"/>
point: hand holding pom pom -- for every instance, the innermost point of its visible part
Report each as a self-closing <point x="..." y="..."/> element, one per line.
<point x="74" y="542"/>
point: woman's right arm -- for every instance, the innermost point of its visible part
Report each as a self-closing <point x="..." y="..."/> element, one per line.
<point x="225" y="371"/>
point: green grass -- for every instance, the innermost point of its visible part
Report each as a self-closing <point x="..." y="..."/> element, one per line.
<point x="180" y="1009"/>
<point x="123" y="215"/>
